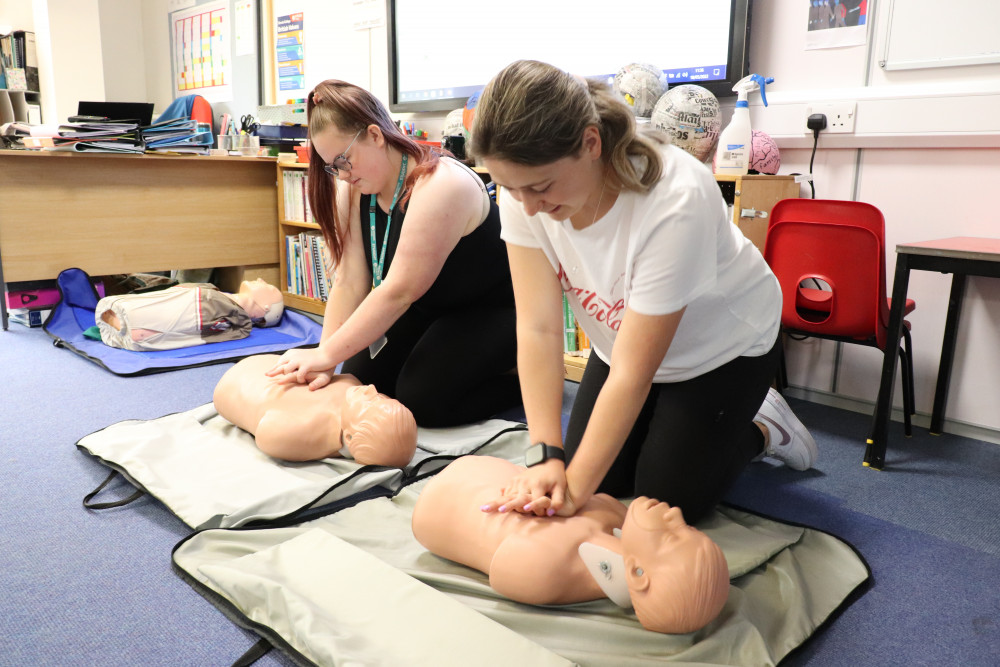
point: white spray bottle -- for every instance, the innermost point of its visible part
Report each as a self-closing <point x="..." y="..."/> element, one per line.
<point x="732" y="156"/>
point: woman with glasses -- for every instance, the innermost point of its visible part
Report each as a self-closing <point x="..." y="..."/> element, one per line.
<point x="422" y="305"/>
<point x="681" y="310"/>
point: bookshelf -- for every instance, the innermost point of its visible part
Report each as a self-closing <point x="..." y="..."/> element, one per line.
<point x="293" y="220"/>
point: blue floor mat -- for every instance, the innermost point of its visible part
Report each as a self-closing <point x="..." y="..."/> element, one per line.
<point x="75" y="313"/>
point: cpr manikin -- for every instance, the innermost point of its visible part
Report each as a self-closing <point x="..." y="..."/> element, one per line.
<point x="673" y="575"/>
<point x="186" y="315"/>
<point x="295" y="423"/>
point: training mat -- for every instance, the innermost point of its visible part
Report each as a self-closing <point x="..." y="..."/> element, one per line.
<point x="74" y="314"/>
<point x="210" y="473"/>
<point x="297" y="587"/>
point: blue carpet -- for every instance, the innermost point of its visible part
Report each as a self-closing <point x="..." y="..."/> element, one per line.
<point x="87" y="588"/>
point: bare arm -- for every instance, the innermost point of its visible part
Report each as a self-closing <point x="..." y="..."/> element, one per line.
<point x="352" y="279"/>
<point x="444" y="207"/>
<point x="641" y="344"/>
<point x="538" y="298"/>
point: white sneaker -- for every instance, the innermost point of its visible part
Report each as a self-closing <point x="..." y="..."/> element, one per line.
<point x="789" y="440"/>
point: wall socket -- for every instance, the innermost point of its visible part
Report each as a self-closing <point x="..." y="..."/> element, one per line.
<point x="839" y="116"/>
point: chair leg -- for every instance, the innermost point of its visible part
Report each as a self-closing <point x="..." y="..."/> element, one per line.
<point x="782" y="379"/>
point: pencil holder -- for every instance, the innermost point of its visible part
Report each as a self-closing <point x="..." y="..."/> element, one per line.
<point x="247" y="144"/>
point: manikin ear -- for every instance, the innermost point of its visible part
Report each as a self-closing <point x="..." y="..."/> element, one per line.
<point x="636" y="575"/>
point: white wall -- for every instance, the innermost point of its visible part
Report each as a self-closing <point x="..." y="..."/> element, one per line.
<point x="933" y="176"/>
<point x="17" y="15"/>
<point x="122" y="53"/>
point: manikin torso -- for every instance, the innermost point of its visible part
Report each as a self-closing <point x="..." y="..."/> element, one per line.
<point x="529" y="559"/>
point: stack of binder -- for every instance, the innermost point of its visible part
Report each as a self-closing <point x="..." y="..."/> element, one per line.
<point x="106" y="137"/>
<point x="178" y="135"/>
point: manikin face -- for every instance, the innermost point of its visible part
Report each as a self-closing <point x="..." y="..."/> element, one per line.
<point x="261" y="296"/>
<point x="659" y="536"/>
<point x="558" y="189"/>
<point x="361" y="404"/>
<point x="365" y="171"/>
<point x="677" y="577"/>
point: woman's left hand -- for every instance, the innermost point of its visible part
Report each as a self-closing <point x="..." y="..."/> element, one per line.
<point x="302" y="366"/>
<point x="539" y="490"/>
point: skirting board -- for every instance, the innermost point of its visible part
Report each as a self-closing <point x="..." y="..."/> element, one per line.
<point x="920" y="419"/>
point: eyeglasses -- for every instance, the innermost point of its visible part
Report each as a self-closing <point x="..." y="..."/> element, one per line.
<point x="341" y="161"/>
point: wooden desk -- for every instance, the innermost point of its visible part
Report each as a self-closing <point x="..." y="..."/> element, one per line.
<point x="961" y="256"/>
<point x="109" y="213"/>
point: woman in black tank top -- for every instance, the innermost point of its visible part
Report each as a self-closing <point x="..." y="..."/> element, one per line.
<point x="422" y="304"/>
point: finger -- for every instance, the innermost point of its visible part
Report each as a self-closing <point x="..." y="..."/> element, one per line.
<point x="319" y="381"/>
<point x="514" y="503"/>
<point x="558" y="499"/>
<point x="539" y="506"/>
<point x="492" y="505"/>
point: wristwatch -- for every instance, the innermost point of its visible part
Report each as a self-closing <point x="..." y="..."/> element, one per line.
<point x="540" y="453"/>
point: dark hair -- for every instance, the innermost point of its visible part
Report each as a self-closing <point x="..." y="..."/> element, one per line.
<point x="533" y="113"/>
<point x="352" y="109"/>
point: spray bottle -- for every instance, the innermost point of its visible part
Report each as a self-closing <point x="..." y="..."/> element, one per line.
<point x="732" y="156"/>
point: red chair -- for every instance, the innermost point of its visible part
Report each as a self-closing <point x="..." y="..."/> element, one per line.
<point x="829" y="257"/>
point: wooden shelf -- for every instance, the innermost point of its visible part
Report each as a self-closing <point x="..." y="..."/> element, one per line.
<point x="288" y="227"/>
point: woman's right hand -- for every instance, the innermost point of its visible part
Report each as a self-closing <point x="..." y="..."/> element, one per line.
<point x="539" y="490"/>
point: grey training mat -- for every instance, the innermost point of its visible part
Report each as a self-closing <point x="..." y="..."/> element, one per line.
<point x="299" y="589"/>
<point x="210" y="473"/>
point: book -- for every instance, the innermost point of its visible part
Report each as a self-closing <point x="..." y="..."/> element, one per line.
<point x="24" y="46"/>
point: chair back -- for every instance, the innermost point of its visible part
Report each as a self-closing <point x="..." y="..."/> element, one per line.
<point x="829" y="257"/>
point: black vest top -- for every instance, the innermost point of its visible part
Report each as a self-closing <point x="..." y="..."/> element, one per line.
<point x="476" y="273"/>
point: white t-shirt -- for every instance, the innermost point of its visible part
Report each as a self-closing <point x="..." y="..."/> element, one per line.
<point x="657" y="253"/>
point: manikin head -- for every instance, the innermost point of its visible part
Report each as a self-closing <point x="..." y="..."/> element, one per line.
<point x="376" y="428"/>
<point x="262" y="301"/>
<point x="677" y="576"/>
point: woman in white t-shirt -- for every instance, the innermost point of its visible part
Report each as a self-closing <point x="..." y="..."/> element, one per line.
<point x="682" y="311"/>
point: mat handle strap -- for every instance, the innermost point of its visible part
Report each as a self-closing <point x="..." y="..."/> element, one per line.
<point x="112" y="503"/>
<point x="254" y="653"/>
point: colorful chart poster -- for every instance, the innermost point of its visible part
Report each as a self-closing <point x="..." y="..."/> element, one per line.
<point x="202" y="48"/>
<point x="289" y="55"/>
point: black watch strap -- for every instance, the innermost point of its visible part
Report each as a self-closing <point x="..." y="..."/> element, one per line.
<point x="540" y="453"/>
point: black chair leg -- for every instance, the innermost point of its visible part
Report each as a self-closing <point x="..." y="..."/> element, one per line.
<point x="907" y="343"/>
<point x="782" y="379"/>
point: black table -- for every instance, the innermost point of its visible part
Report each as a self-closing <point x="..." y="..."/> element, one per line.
<point x="961" y="256"/>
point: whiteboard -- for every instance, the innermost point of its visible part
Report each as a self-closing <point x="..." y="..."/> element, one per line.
<point x="931" y="33"/>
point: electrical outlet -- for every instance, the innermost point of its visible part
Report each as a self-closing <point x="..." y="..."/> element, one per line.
<point x="839" y="116"/>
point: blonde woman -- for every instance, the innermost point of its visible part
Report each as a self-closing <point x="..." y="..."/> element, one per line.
<point x="682" y="311"/>
<point x="422" y="305"/>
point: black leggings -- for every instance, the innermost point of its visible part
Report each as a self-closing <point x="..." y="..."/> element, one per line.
<point x="448" y="370"/>
<point x="691" y="439"/>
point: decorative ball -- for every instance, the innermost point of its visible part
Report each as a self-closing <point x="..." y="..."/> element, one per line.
<point x="469" y="112"/>
<point x="764" y="155"/>
<point x="690" y="115"/>
<point x="454" y="124"/>
<point x="640" y="85"/>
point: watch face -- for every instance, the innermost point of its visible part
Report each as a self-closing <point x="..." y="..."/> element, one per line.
<point x="534" y="455"/>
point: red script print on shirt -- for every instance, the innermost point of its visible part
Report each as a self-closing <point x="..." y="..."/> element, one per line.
<point x="598" y="308"/>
